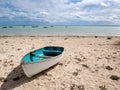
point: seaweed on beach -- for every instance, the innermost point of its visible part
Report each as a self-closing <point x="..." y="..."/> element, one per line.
<point x="77" y="87"/>
<point x="85" y="65"/>
<point x="109" y="38"/>
<point x="109" y="68"/>
<point x="96" y="36"/>
<point x="75" y="73"/>
<point x="102" y="87"/>
<point x="114" y="77"/>
<point x="77" y="58"/>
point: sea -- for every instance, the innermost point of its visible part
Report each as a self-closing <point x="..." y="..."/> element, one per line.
<point x="60" y="30"/>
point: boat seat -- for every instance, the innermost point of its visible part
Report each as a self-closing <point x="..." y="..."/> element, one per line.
<point x="51" y="52"/>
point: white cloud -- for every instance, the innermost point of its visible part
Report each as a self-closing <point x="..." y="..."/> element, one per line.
<point x="57" y="11"/>
<point x="104" y="4"/>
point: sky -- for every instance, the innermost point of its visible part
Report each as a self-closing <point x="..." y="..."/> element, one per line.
<point x="59" y="12"/>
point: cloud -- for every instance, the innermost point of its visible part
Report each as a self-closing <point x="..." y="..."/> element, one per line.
<point x="61" y="11"/>
<point x="104" y="4"/>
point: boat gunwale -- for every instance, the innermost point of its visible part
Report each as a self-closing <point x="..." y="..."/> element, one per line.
<point x="48" y="59"/>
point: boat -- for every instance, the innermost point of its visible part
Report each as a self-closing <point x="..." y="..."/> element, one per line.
<point x="41" y="59"/>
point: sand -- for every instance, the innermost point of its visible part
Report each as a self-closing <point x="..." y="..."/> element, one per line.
<point x="89" y="63"/>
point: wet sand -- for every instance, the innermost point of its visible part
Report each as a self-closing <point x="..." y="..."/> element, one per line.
<point x="89" y="63"/>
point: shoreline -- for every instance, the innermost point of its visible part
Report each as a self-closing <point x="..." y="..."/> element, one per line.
<point x="59" y="36"/>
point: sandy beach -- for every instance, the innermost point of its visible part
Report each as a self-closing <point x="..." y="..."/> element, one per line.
<point x="89" y="63"/>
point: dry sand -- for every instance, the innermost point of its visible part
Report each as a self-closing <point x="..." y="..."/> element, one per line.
<point x="89" y="63"/>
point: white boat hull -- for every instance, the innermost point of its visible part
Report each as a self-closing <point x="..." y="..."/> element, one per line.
<point x="31" y="69"/>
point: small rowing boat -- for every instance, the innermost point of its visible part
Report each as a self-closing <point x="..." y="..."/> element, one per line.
<point x="41" y="59"/>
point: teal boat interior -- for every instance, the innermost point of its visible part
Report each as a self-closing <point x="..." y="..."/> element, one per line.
<point x="43" y="54"/>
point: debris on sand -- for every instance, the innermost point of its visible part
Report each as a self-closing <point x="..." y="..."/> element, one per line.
<point x="75" y="73"/>
<point x="77" y="58"/>
<point x="109" y="68"/>
<point x="85" y="65"/>
<point x="77" y="87"/>
<point x="114" y="77"/>
<point x="102" y="87"/>
<point x="109" y="38"/>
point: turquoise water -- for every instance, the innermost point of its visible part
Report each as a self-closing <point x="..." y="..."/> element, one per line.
<point x="60" y="30"/>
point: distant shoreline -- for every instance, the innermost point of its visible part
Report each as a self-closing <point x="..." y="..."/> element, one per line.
<point x="96" y="36"/>
<point x="59" y="31"/>
<point x="61" y="25"/>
